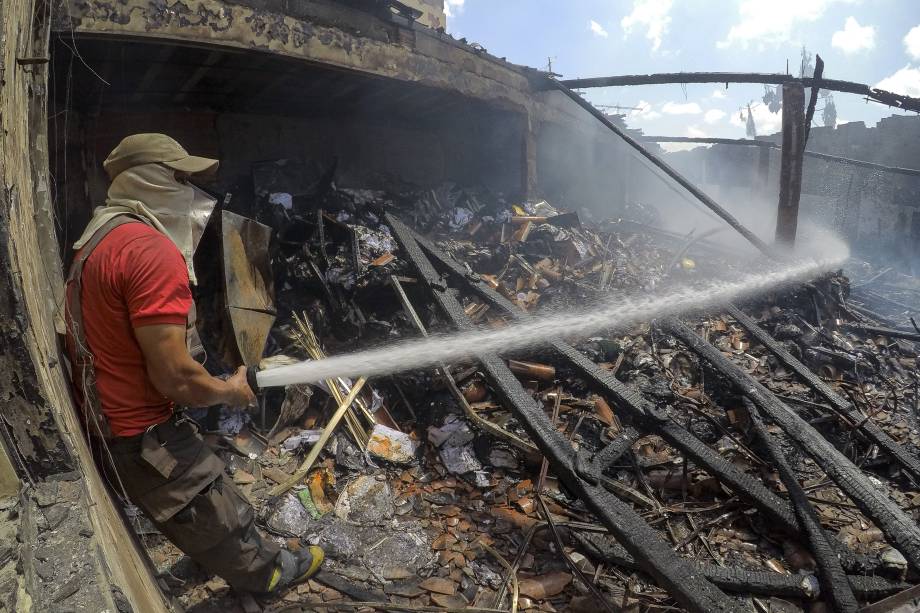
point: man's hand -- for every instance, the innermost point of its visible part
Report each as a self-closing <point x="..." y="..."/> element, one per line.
<point x="240" y="386"/>
<point x="180" y="378"/>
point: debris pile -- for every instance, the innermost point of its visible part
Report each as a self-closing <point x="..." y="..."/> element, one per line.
<point x="760" y="456"/>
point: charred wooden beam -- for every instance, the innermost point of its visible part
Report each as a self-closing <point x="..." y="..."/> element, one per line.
<point x="882" y="331"/>
<point x="605" y="458"/>
<point x="653" y="555"/>
<point x="738" y="580"/>
<point x="835" y="85"/>
<point x="903" y="602"/>
<point x="651" y="419"/>
<point x="644" y="415"/>
<point x="766" y="145"/>
<point x="697" y="193"/>
<point x="899" y="529"/>
<point x="813" y="98"/>
<point x="830" y="572"/>
<point x="790" y="177"/>
<point x="869" y="428"/>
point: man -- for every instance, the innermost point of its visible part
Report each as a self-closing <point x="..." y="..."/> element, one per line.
<point x="128" y="336"/>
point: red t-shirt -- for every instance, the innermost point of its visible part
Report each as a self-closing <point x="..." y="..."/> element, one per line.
<point x="135" y="277"/>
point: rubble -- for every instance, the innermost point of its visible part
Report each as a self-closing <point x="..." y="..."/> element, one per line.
<point x="760" y="454"/>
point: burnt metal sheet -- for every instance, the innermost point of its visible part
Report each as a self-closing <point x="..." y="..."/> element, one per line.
<point x="248" y="283"/>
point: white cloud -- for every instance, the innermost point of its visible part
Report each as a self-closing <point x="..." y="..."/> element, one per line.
<point x="453" y="5"/>
<point x="912" y="42"/>
<point x="905" y="81"/>
<point x="719" y="94"/>
<point x="677" y="108"/>
<point x="651" y="15"/>
<point x="713" y="116"/>
<point x="774" y="22"/>
<point x="645" y="112"/>
<point x="765" y="121"/>
<point x="696" y="132"/>
<point x="854" y="37"/>
<point x="597" y="29"/>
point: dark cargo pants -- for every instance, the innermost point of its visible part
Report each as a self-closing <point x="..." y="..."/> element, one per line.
<point x="178" y="482"/>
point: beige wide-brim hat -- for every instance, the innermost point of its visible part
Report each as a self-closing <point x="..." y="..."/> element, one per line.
<point x="140" y="149"/>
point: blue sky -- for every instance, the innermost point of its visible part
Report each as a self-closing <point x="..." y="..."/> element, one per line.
<point x="867" y="41"/>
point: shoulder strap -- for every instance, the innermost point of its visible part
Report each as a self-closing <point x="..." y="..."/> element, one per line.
<point x="84" y="370"/>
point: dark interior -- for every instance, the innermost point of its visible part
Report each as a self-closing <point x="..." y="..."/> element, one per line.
<point x="251" y="106"/>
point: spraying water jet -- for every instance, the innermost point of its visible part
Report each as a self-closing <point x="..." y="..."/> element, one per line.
<point x="616" y="311"/>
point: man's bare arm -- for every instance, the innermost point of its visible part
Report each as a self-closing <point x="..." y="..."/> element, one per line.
<point x="180" y="378"/>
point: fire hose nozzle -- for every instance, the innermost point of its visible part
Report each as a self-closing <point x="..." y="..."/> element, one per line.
<point x="251" y="379"/>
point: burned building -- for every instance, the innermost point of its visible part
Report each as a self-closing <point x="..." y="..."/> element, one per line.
<point x="396" y="177"/>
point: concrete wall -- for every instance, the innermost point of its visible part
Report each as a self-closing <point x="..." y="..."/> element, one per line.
<point x="319" y="31"/>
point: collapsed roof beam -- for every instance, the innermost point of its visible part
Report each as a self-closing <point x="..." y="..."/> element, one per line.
<point x="834" y="85"/>
<point x="671" y="572"/>
<point x="913" y="172"/>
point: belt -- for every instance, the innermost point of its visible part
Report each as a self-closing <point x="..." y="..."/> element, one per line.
<point x="163" y="431"/>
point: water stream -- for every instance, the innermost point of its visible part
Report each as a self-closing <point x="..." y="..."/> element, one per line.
<point x="615" y="311"/>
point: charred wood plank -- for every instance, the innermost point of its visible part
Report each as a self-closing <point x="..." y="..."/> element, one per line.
<point x="605" y="458"/>
<point x="869" y="428"/>
<point x="903" y="602"/>
<point x="654" y="556"/>
<point x="651" y="419"/>
<point x="813" y="98"/>
<point x="834" y="85"/>
<point x="830" y="573"/>
<point x="739" y="580"/>
<point x="881" y="331"/>
<point x="645" y="416"/>
<point x="900" y="531"/>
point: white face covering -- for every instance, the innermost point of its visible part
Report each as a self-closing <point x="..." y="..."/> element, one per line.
<point x="179" y="210"/>
<point x="183" y="209"/>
